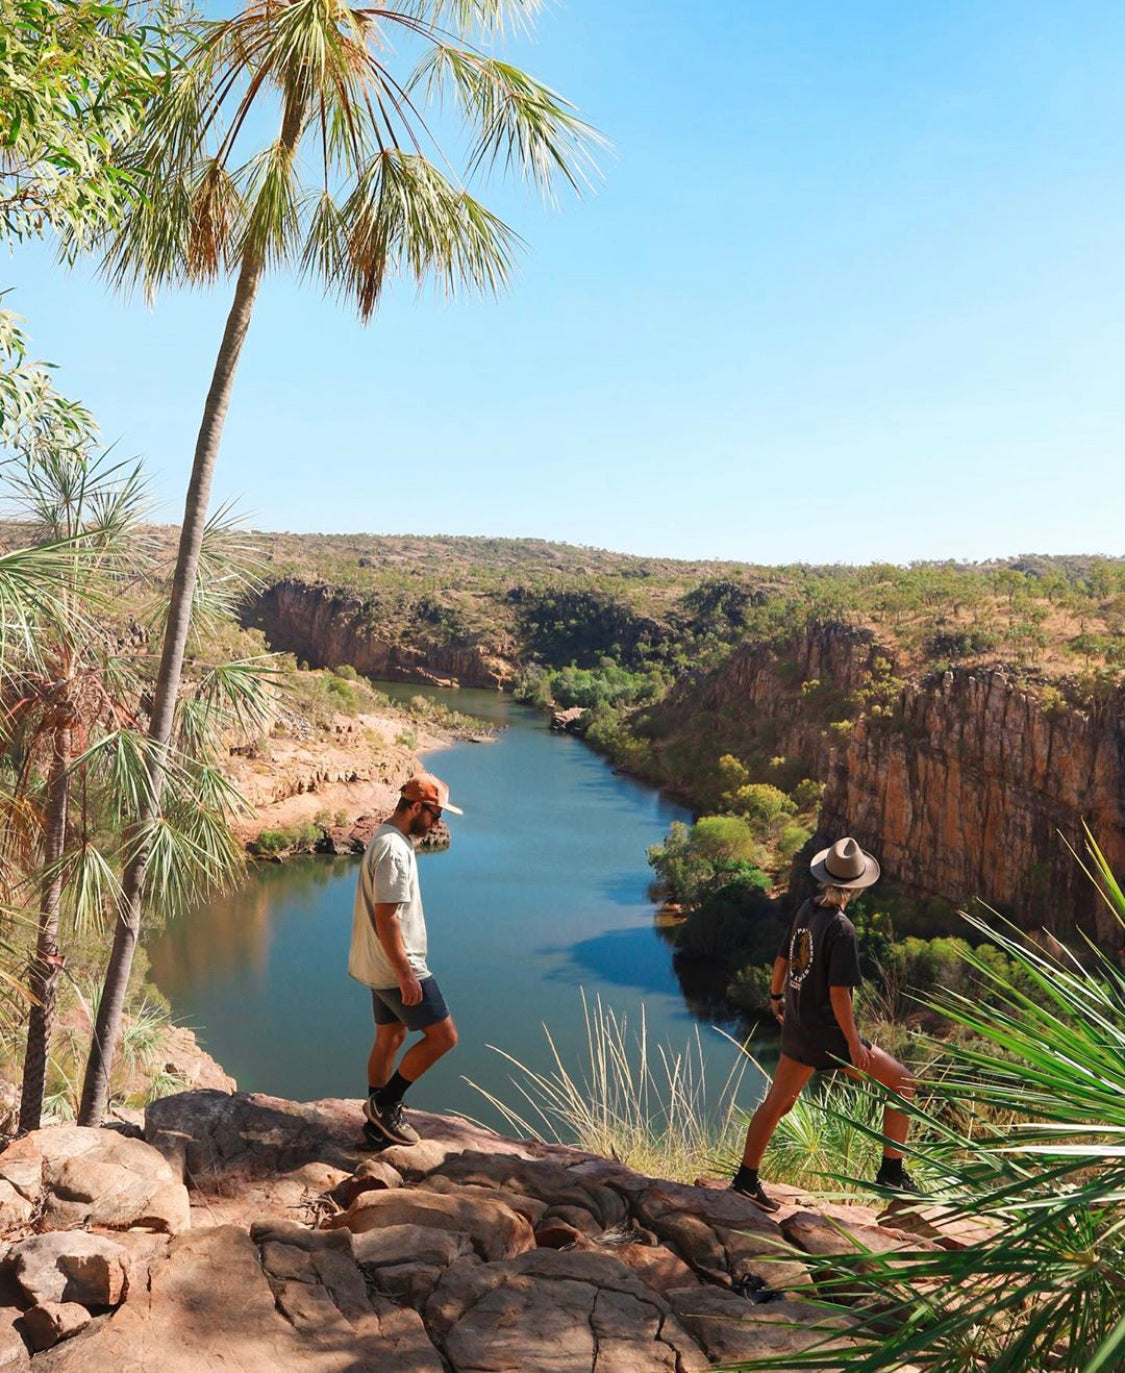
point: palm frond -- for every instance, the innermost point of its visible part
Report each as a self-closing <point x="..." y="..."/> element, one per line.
<point x="405" y="215"/>
<point x="516" y="119"/>
<point x="230" y="697"/>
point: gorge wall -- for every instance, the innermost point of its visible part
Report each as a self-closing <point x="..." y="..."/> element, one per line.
<point x="964" y="786"/>
<point x="331" y="628"/>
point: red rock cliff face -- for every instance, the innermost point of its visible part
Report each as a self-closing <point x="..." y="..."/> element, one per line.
<point x="962" y="789"/>
<point x="328" y="628"/>
<point x="972" y="790"/>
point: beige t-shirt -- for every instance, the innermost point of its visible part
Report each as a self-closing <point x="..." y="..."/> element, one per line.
<point x="388" y="873"/>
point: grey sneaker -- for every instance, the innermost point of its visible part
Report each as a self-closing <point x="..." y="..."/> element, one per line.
<point x="389" y="1121"/>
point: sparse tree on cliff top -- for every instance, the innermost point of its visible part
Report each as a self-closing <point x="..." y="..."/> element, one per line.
<point x="376" y="204"/>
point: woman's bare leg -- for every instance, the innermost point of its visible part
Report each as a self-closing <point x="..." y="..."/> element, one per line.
<point x="891" y="1073"/>
<point x="788" y="1081"/>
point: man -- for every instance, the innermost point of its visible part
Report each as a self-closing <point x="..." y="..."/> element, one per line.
<point x="388" y="954"/>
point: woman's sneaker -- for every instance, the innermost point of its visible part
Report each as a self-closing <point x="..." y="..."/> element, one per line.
<point x="389" y="1121"/>
<point x="755" y="1192"/>
<point x="898" y="1180"/>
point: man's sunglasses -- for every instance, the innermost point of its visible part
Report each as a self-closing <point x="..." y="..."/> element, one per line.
<point x="435" y="811"/>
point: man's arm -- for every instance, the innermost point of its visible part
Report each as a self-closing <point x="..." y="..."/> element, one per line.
<point x="777" y="987"/>
<point x="389" y="932"/>
<point x="841" y="998"/>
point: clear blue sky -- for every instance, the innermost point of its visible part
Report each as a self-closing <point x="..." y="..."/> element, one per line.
<point x="852" y="289"/>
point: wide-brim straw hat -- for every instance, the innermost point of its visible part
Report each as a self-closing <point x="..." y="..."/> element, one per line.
<point x="845" y="864"/>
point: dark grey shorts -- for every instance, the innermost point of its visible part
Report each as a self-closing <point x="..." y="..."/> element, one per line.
<point x="824" y="1056"/>
<point x="386" y="1004"/>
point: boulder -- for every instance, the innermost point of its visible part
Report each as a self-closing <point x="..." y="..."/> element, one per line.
<point x="50" y="1322"/>
<point x="15" y="1355"/>
<point x="656" y="1266"/>
<point x="586" y="1203"/>
<point x="372" y="1175"/>
<point x="15" y="1208"/>
<point x="80" y="1176"/>
<point x="496" y="1231"/>
<point x="71" y="1266"/>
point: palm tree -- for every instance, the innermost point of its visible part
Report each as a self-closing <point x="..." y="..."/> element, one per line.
<point x="74" y="687"/>
<point x="379" y="206"/>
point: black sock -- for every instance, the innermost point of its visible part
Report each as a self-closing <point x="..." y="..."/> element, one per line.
<point x="891" y="1169"/>
<point x="394" y="1091"/>
<point x="746" y="1177"/>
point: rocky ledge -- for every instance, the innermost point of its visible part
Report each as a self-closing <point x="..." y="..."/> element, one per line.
<point x="246" y="1233"/>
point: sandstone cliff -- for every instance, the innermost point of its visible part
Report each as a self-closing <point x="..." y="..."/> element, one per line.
<point x="330" y="628"/>
<point x="962" y="784"/>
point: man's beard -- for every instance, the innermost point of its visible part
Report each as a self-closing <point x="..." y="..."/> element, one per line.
<point x="419" y="827"/>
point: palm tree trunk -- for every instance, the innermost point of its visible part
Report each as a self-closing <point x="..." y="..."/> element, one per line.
<point x="44" y="972"/>
<point x="95" y="1088"/>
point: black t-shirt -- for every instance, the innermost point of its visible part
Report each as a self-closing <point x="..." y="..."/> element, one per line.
<point x="823" y="951"/>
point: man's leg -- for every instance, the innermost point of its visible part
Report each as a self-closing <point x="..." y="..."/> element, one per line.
<point x="436" y="1041"/>
<point x="389" y="1040"/>
<point x="788" y="1081"/>
<point x="384" y="1106"/>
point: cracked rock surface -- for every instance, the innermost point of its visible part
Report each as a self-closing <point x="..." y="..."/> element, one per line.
<point x="465" y="1253"/>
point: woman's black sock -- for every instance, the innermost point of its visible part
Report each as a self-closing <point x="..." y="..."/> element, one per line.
<point x="745" y="1177"/>
<point x="891" y="1169"/>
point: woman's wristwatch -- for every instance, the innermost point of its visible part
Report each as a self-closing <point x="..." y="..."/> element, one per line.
<point x="777" y="996"/>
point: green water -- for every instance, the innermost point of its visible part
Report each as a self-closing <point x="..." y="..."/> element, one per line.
<point x="542" y="894"/>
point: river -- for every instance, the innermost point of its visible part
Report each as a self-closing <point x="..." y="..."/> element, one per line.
<point x="541" y="897"/>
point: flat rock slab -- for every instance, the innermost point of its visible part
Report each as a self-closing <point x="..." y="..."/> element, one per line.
<point x="397" y="1244"/>
<point x="730" y="1328"/>
<point x="555" y="1312"/>
<point x="80" y="1176"/>
<point x="219" y="1136"/>
<point x="219" y="1304"/>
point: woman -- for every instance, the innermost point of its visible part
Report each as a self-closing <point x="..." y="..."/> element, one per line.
<point x="811" y="995"/>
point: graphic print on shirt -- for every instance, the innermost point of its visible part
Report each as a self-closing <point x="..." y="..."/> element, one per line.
<point x="800" y="955"/>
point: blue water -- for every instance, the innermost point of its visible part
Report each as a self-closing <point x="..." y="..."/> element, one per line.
<point x="541" y="895"/>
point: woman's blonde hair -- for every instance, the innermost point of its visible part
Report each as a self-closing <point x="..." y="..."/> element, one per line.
<point x="835" y="896"/>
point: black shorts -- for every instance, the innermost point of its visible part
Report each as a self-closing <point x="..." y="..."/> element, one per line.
<point x="822" y="1057"/>
<point x="387" y="1007"/>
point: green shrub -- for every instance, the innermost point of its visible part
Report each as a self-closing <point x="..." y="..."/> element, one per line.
<point x="734" y="925"/>
<point x="748" y="991"/>
<point x="761" y="804"/>
<point x="696" y="859"/>
<point x="807" y="794"/>
<point x="792" y="840"/>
